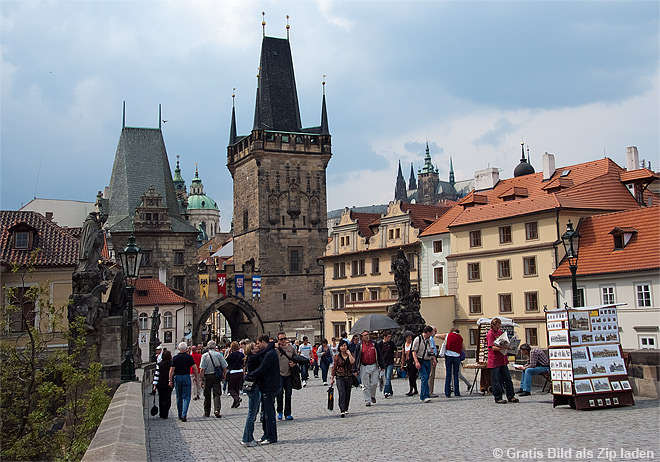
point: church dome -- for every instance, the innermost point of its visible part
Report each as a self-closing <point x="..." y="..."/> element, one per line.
<point x="524" y="167"/>
<point x="201" y="202"/>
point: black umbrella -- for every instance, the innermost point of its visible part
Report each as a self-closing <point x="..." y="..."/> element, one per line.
<point x="373" y="322"/>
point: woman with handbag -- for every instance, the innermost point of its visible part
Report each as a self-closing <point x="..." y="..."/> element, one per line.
<point x="252" y="359"/>
<point x="235" y="373"/>
<point x="163" y="386"/>
<point x="342" y="370"/>
<point x="408" y="363"/>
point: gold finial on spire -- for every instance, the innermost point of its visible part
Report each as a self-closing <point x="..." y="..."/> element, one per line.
<point x="196" y="171"/>
<point x="233" y="96"/>
<point x="287" y="27"/>
<point x="263" y="22"/>
<point x="323" y="83"/>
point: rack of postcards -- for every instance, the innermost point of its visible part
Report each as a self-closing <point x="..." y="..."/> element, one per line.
<point x="586" y="362"/>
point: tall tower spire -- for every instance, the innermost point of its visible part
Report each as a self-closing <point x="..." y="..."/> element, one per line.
<point x="232" y="128"/>
<point x="324" y="114"/>
<point x="428" y="165"/>
<point x="452" y="180"/>
<point x="257" y="107"/>
<point x="412" y="182"/>
<point x="400" y="193"/>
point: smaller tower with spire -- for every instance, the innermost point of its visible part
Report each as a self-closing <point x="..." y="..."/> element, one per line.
<point x="427" y="181"/>
<point x="400" y="193"/>
<point x="412" y="182"/>
<point x="523" y="168"/>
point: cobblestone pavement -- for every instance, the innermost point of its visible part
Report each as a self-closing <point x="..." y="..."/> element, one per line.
<point x="404" y="429"/>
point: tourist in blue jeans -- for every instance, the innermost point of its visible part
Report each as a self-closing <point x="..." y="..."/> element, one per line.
<point x="180" y="379"/>
<point x="537" y="363"/>
<point x="388" y="351"/>
<point x="325" y="359"/>
<point x="267" y="377"/>
<point x="423" y="354"/>
<point x="454" y="345"/>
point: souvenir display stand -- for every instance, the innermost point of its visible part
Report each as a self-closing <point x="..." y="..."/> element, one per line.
<point x="586" y="361"/>
<point x="482" y="351"/>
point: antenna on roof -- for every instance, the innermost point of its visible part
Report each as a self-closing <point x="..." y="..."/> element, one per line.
<point x="287" y="27"/>
<point x="263" y="23"/>
<point x="123" y="115"/>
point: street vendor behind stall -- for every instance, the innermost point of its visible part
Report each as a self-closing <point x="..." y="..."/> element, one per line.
<point x="498" y="363"/>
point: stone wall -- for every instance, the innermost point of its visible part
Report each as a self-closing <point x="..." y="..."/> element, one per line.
<point x="644" y="372"/>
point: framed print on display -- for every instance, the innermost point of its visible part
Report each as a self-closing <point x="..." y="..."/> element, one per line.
<point x="583" y="386"/>
<point x="616" y="386"/>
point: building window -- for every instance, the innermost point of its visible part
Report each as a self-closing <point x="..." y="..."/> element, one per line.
<point x="146" y="258"/>
<point x="647" y="343"/>
<point x="474" y="272"/>
<point x="474" y="337"/>
<point x="392" y="260"/>
<point x="503" y="269"/>
<point x="529" y="266"/>
<point x="295" y="259"/>
<point x="358" y="268"/>
<point x="167" y="337"/>
<point x="143" y="320"/>
<point x="338" y="301"/>
<point x="438" y="276"/>
<point x="348" y="240"/>
<point x="180" y="283"/>
<point x="357" y="296"/>
<point x="178" y="257"/>
<point x="338" y="328"/>
<point x="437" y="246"/>
<point x="643" y="295"/>
<point x="505" y="234"/>
<point x="411" y="260"/>
<point x="581" y="300"/>
<point x="21" y="239"/>
<point x="373" y="294"/>
<point x="342" y="241"/>
<point x="531" y="301"/>
<point x="531" y="231"/>
<point x="394" y="294"/>
<point x="531" y="336"/>
<point x="475" y="238"/>
<point x="397" y="233"/>
<point x="607" y="293"/>
<point x="391" y="234"/>
<point x="475" y="304"/>
<point x="25" y="313"/>
<point x="375" y="266"/>
<point x="339" y="270"/>
<point x="245" y="220"/>
<point x="505" y="303"/>
<point x="167" y="320"/>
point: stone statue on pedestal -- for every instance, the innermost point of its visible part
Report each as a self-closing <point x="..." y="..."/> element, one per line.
<point x="406" y="310"/>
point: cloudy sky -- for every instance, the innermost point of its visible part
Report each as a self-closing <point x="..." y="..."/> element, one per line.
<point x="577" y="79"/>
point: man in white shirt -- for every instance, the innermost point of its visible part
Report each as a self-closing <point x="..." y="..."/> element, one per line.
<point x="305" y="349"/>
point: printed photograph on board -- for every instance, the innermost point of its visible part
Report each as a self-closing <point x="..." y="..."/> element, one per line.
<point x="601" y="384"/>
<point x="604" y="351"/>
<point x="558" y="338"/>
<point x="583" y="386"/>
<point x="579" y="320"/>
<point x="580" y="369"/>
<point x="556" y="387"/>
<point x="580" y="354"/>
<point x="616" y="386"/>
<point x="567" y="388"/>
<point x="625" y="385"/>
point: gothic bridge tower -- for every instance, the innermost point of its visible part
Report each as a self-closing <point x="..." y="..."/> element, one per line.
<point x="279" y="219"/>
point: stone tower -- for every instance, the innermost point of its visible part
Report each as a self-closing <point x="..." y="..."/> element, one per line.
<point x="279" y="217"/>
<point x="400" y="193"/>
<point x="427" y="181"/>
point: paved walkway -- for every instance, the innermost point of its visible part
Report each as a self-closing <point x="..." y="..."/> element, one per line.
<point x="404" y="429"/>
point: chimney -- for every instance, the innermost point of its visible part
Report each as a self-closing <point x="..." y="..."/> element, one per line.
<point x="548" y="165"/>
<point x="632" y="158"/>
<point x="486" y="178"/>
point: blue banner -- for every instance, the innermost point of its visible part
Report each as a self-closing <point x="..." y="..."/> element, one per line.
<point x="240" y="285"/>
<point x="256" y="286"/>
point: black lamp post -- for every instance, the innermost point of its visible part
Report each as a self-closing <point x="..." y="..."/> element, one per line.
<point x="571" y="240"/>
<point x="130" y="260"/>
<point x="322" y="320"/>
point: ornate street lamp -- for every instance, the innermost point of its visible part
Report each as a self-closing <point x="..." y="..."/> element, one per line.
<point x="321" y="309"/>
<point x="571" y="241"/>
<point x="130" y="260"/>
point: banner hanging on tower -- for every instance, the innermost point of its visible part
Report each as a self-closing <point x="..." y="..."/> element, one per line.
<point x="204" y="285"/>
<point x="240" y="285"/>
<point x="222" y="284"/>
<point x="256" y="286"/>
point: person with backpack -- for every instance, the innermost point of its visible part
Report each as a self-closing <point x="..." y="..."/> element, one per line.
<point x="214" y="371"/>
<point x="422" y="353"/>
<point x="325" y="359"/>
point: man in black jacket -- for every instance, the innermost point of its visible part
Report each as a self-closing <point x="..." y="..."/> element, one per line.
<point x="267" y="377"/>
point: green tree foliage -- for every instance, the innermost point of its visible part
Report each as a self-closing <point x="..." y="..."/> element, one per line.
<point x="50" y="407"/>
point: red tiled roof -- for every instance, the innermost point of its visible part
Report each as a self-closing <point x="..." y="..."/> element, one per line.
<point x="591" y="185"/>
<point x="151" y="292"/>
<point x="422" y="216"/>
<point x="439" y="226"/>
<point x="639" y="174"/>
<point x="365" y="221"/>
<point x="57" y="246"/>
<point x="596" y="251"/>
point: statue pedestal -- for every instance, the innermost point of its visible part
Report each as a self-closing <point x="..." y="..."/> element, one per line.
<point x="110" y="350"/>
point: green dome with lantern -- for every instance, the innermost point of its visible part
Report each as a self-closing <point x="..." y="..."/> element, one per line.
<point x="197" y="200"/>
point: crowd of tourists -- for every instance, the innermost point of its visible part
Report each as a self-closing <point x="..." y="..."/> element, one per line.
<point x="267" y="371"/>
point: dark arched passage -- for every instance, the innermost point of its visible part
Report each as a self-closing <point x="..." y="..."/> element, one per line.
<point x="243" y="319"/>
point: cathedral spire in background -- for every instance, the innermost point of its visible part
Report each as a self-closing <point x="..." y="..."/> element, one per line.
<point x="232" y="129"/>
<point x="400" y="193"/>
<point x="412" y="182"/>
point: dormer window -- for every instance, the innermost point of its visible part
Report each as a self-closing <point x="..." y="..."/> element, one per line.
<point x="622" y="236"/>
<point x="21" y="240"/>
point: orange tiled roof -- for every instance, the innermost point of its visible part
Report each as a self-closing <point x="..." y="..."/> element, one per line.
<point x="439" y="226"/>
<point x="151" y="292"/>
<point x="639" y="174"/>
<point x="590" y="185"/>
<point x="597" y="254"/>
<point x="58" y="247"/>
<point x="422" y="216"/>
